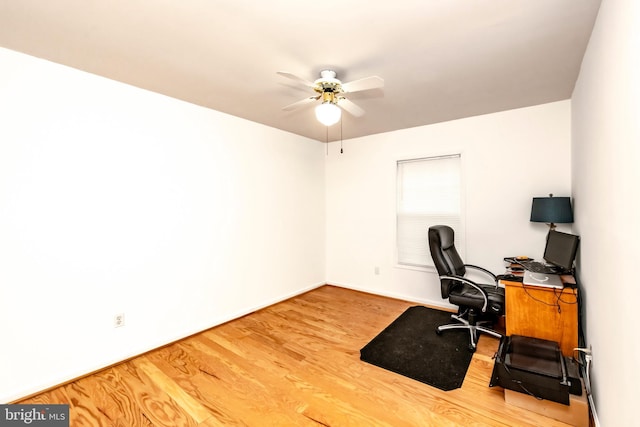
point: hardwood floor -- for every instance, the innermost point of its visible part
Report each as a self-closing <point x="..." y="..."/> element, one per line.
<point x="295" y="363"/>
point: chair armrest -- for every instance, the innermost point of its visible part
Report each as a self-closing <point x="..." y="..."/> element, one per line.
<point x="484" y="270"/>
<point x="473" y="285"/>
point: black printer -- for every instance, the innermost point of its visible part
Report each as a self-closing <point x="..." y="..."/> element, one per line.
<point x="536" y="367"/>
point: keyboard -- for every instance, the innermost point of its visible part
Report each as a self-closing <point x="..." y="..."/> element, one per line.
<point x="540" y="267"/>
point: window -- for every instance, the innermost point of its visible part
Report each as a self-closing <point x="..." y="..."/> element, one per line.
<point x="429" y="193"/>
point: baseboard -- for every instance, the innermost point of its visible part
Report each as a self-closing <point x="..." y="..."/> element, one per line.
<point x="42" y="388"/>
<point x="25" y="394"/>
<point x="439" y="304"/>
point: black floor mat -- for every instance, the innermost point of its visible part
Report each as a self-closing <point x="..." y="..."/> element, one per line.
<point x="410" y="346"/>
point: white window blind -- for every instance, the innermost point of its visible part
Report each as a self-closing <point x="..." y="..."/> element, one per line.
<point x="429" y="193"/>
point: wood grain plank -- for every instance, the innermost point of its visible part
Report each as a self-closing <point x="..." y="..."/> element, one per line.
<point x="170" y="387"/>
<point x="154" y="403"/>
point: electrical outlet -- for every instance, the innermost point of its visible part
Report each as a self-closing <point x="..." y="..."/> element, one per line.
<point x="376" y="270"/>
<point x="118" y="320"/>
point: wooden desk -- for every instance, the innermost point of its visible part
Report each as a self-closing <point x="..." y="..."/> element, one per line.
<point x="546" y="313"/>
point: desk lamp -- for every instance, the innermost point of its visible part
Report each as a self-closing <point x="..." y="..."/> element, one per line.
<point x="551" y="210"/>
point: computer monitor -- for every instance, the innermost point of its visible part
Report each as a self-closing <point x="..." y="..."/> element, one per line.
<point x="561" y="249"/>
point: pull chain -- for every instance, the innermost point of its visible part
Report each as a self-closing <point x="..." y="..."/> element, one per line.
<point x="327" y="139"/>
<point x="341" y="135"/>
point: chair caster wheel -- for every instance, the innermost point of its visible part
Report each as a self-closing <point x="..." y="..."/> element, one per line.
<point x="438" y="331"/>
<point x="471" y="349"/>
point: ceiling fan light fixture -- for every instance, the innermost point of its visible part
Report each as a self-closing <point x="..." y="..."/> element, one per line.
<point x="328" y="113"/>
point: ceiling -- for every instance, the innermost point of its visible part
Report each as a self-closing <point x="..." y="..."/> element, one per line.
<point x="440" y="59"/>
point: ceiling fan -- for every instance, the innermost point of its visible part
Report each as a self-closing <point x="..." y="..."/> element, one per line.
<point x="331" y="91"/>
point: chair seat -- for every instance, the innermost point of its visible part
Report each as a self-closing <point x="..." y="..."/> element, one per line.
<point x="468" y="296"/>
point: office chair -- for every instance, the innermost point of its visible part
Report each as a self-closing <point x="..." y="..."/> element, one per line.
<point x="475" y="302"/>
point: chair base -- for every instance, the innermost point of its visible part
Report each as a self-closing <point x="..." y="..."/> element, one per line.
<point x="472" y="327"/>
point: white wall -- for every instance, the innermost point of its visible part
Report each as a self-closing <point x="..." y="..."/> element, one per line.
<point x="507" y="158"/>
<point x="606" y="173"/>
<point x="117" y="200"/>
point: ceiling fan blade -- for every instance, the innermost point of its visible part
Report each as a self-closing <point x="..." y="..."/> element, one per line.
<point x="350" y="107"/>
<point x="300" y="103"/>
<point x="296" y="78"/>
<point x="367" y="83"/>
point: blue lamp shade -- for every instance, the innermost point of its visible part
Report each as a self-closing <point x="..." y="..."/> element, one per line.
<point x="551" y="210"/>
